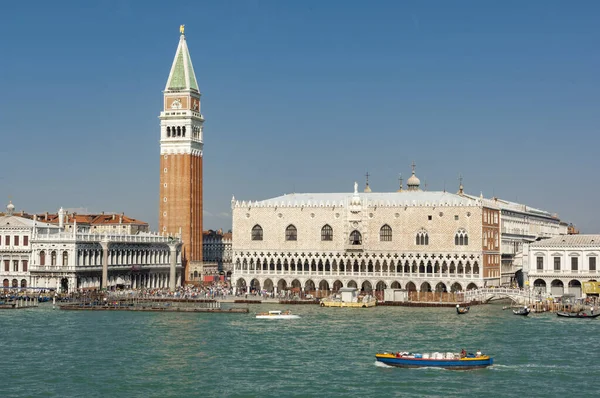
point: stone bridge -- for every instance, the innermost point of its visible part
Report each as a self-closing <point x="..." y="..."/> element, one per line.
<point x="486" y="294"/>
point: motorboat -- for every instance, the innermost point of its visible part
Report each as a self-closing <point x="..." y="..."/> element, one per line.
<point x="522" y="311"/>
<point x="448" y="360"/>
<point x="276" y="314"/>
<point x="462" y="310"/>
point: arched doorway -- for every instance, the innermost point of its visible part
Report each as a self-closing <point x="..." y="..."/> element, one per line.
<point x="539" y="286"/>
<point x="6" y="283"/>
<point x="380" y="286"/>
<point x="64" y="285"/>
<point x="411" y="287"/>
<point x="15" y="283"/>
<point x="352" y="284"/>
<point x="557" y="288"/>
<point x="255" y="286"/>
<point x="23" y="283"/>
<point x="309" y="287"/>
<point x="324" y="286"/>
<point x="367" y="287"/>
<point x="241" y="286"/>
<point x="575" y="288"/>
<point x="396" y="285"/>
<point x="441" y="288"/>
<point x="456" y="287"/>
<point x="471" y="286"/>
<point x="425" y="287"/>
<point x="337" y="285"/>
<point x="281" y="285"/>
<point x="268" y="285"/>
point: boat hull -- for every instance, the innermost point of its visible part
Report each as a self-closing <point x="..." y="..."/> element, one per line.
<point x="277" y="316"/>
<point x="453" y="364"/>
<point x="576" y="315"/>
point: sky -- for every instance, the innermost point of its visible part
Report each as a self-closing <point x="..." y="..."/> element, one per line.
<point x="303" y="96"/>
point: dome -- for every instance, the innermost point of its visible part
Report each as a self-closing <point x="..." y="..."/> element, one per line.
<point x="413" y="181"/>
<point x="10" y="208"/>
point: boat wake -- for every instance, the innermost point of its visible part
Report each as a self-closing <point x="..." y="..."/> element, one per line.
<point x="382" y="365"/>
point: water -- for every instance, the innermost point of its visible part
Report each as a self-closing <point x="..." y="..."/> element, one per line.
<point x="328" y="352"/>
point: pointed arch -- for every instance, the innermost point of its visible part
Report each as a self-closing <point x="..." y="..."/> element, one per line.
<point x="326" y="233"/>
<point x="385" y="233"/>
<point x="291" y="233"/>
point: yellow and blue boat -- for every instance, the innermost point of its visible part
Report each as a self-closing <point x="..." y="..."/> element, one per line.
<point x="448" y="360"/>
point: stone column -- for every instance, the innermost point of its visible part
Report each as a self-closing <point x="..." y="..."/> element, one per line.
<point x="104" y="244"/>
<point x="173" y="266"/>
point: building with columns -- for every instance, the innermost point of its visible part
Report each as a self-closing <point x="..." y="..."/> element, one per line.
<point x="561" y="264"/>
<point x="410" y="239"/>
<point x="181" y="145"/>
<point x="45" y="255"/>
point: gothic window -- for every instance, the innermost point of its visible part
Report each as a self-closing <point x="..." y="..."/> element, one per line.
<point x="355" y="238"/>
<point x="42" y="258"/>
<point x="291" y="233"/>
<point x="461" y="238"/>
<point x="168" y="131"/>
<point x="53" y="258"/>
<point x="178" y="131"/>
<point x="257" y="232"/>
<point x="326" y="232"/>
<point x="65" y="258"/>
<point x="422" y="238"/>
<point x="385" y="233"/>
<point x="183" y="131"/>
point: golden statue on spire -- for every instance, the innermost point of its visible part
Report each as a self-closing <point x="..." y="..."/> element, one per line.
<point x="181" y="28"/>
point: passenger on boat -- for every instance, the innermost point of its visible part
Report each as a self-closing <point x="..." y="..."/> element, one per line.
<point x="478" y="353"/>
<point x="463" y="353"/>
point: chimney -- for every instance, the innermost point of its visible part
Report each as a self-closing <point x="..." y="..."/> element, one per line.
<point x="121" y="219"/>
<point x="113" y="216"/>
<point x="46" y="216"/>
<point x="102" y="213"/>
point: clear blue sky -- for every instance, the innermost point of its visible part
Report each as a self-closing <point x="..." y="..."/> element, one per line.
<point x="303" y="96"/>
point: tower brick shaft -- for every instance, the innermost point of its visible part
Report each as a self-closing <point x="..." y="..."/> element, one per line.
<point x="181" y="145"/>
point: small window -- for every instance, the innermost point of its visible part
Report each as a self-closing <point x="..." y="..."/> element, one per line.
<point x="422" y="238"/>
<point x="461" y="238"/>
<point x="327" y="233"/>
<point x="291" y="233"/>
<point x="257" y="232"/>
<point x="385" y="233"/>
<point x="16" y="240"/>
<point x="430" y="218"/>
<point x="456" y="217"/>
<point x="540" y="263"/>
<point x="25" y="240"/>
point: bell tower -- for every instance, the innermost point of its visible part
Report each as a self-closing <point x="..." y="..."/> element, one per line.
<point x="181" y="143"/>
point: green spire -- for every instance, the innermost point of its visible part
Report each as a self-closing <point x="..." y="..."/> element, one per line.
<point x="182" y="76"/>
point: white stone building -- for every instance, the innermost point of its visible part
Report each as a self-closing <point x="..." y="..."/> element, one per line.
<point x="521" y="224"/>
<point x="15" y="248"/>
<point x="415" y="240"/>
<point x="43" y="255"/>
<point x="561" y="264"/>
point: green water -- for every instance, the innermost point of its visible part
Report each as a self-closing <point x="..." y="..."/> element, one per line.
<point x="328" y="352"/>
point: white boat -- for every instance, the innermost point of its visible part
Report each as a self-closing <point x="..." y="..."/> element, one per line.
<point x="277" y="315"/>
